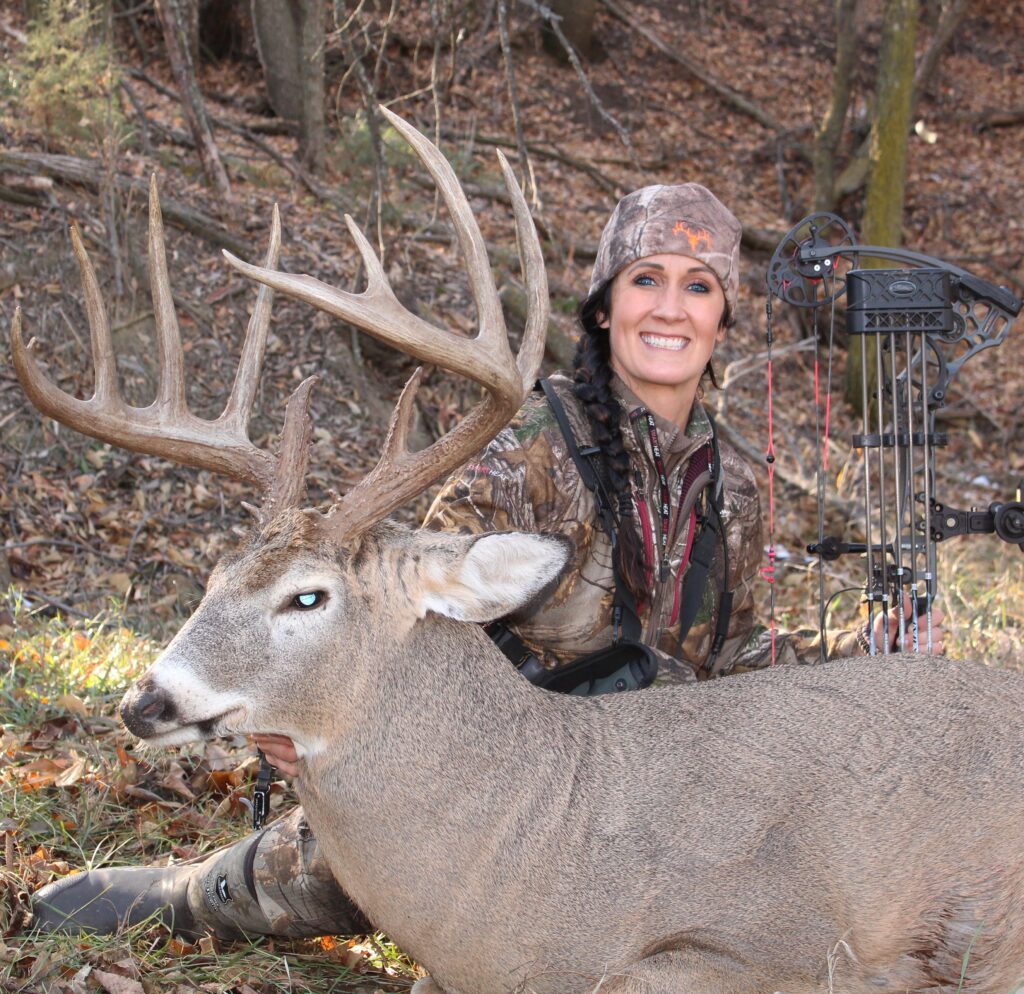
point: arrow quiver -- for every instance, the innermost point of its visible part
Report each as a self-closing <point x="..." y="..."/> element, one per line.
<point x="914" y="326"/>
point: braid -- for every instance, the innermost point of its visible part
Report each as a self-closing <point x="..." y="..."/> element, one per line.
<point x="593" y="374"/>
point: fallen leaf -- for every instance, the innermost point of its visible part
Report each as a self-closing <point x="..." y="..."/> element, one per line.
<point x="114" y="983"/>
<point x="72" y="774"/>
<point x="74" y="704"/>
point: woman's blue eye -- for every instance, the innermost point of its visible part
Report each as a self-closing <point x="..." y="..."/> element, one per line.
<point x="308" y="600"/>
<point x="699" y="287"/>
<point x="644" y="280"/>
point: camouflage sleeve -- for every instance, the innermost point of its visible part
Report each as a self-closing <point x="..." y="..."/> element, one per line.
<point x="514" y="485"/>
<point x="485" y="495"/>
<point x="802" y="646"/>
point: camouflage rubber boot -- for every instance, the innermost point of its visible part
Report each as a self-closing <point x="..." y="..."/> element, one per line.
<point x="274" y="883"/>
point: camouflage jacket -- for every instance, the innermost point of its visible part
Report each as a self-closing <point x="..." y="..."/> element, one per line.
<point x="526" y="480"/>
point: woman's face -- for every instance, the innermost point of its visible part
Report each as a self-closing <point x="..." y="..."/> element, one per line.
<point x="666" y="319"/>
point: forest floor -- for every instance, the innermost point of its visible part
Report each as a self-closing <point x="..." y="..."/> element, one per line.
<point x="105" y="552"/>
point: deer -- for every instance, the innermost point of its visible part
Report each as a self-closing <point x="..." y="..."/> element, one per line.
<point x="855" y="827"/>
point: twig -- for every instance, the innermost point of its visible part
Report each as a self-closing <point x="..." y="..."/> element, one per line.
<point x="537" y="149"/>
<point x="61" y="543"/>
<point x="999" y="118"/>
<point x="797" y="482"/>
<point x="748" y="364"/>
<point x="14" y="33"/>
<point x="141" y="114"/>
<point x="53" y="602"/>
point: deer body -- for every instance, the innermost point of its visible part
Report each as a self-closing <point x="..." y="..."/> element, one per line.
<point x="563" y="840"/>
<point x="727" y="837"/>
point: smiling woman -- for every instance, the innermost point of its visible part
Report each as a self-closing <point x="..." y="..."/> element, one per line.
<point x="664" y="550"/>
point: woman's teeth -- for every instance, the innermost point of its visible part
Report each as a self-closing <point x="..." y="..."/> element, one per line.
<point x="657" y="342"/>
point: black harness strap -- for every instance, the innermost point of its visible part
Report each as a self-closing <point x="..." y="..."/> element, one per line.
<point x="590" y="465"/>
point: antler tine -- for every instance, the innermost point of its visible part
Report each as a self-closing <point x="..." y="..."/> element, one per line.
<point x="531" y="261"/>
<point x="166" y="428"/>
<point x="289" y="487"/>
<point x="488" y="360"/>
<point x="401" y="474"/>
<point x="171" y="391"/>
<point x="492" y="334"/>
<point x="247" y="377"/>
<point x="104" y="363"/>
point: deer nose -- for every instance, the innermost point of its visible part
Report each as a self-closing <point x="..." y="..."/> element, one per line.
<point x="143" y="707"/>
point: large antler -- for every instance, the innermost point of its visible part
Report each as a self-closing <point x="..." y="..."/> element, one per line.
<point x="166" y="427"/>
<point x="400" y="474"/>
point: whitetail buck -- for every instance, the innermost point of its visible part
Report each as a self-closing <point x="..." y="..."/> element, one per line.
<point x="854" y="827"/>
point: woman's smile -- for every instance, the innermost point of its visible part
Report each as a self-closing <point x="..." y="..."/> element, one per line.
<point x="664" y="342"/>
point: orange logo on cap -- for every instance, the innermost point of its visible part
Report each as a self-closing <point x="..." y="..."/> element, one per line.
<point x="697" y="237"/>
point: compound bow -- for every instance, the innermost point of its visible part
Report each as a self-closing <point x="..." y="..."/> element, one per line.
<point x="917" y="326"/>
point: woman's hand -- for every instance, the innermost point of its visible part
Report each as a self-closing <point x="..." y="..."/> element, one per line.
<point x="938" y="632"/>
<point x="280" y="753"/>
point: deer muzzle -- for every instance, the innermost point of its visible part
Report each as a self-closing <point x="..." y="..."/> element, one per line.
<point x="147" y="710"/>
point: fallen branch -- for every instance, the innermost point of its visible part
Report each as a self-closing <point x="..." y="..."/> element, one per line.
<point x="999" y="118"/>
<point x="554" y="22"/>
<point x="171" y="17"/>
<point x="805" y="485"/>
<point x="83" y="172"/>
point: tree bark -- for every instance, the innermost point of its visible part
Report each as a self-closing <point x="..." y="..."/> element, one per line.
<point x="887" y="171"/>
<point x="827" y="139"/>
<point x="290" y="39"/>
<point x="172" y="19"/>
<point x="278" y="42"/>
<point x="313" y="36"/>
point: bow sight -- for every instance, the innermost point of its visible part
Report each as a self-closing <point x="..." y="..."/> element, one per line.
<point x="916" y="327"/>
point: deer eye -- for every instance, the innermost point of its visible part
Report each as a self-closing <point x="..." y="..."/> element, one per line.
<point x="308" y="600"/>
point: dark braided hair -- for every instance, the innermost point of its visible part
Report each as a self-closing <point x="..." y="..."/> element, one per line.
<point x="592" y="369"/>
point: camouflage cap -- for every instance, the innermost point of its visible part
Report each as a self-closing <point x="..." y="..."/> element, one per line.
<point x="682" y="220"/>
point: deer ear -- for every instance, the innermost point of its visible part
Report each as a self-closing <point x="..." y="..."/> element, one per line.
<point x="490" y="576"/>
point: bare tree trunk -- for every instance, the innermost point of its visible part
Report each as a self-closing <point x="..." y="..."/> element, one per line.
<point x="172" y="20"/>
<point x="313" y="36"/>
<point x="278" y="42"/>
<point x="577" y="25"/>
<point x="290" y="39"/>
<point x="827" y="139"/>
<point x="887" y="173"/>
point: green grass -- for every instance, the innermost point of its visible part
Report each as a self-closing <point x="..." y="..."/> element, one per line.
<point x="75" y="793"/>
